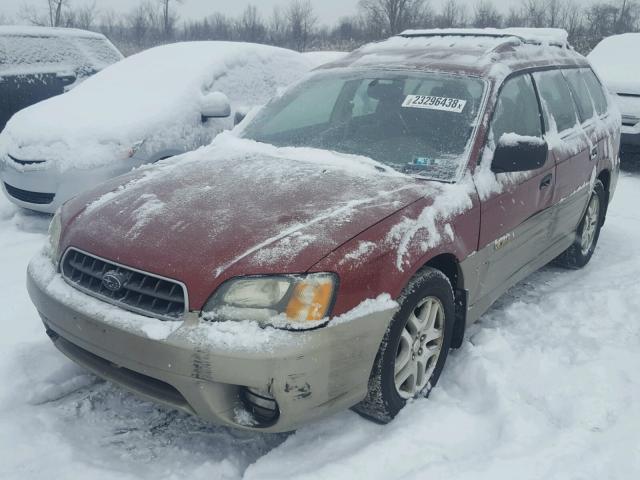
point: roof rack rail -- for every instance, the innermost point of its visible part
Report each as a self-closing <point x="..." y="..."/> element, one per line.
<point x="537" y="36"/>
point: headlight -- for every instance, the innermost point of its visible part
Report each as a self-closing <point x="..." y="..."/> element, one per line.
<point x="288" y="301"/>
<point x="55" y="230"/>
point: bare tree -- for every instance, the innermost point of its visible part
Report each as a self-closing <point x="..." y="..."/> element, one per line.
<point x="140" y="22"/>
<point x="277" y="27"/>
<point x="301" y="21"/>
<point x="169" y="17"/>
<point x="55" y="11"/>
<point x="486" y="15"/>
<point x="83" y="17"/>
<point x="250" y="26"/>
<point x="453" y="15"/>
<point x="393" y="16"/>
<point x="534" y="13"/>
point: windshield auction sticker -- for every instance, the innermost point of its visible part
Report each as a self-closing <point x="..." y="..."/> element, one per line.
<point x="434" y="103"/>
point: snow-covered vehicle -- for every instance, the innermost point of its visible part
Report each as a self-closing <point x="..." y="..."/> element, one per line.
<point x="614" y="60"/>
<point x="329" y="252"/>
<point x="159" y="103"/>
<point x="37" y="63"/>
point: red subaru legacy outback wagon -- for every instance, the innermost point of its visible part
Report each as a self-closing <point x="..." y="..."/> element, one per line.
<point x="330" y="251"/>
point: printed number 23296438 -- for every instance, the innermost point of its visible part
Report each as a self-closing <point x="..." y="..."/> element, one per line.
<point x="434" y="103"/>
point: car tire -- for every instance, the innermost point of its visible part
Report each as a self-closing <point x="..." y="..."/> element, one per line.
<point x="579" y="254"/>
<point x="417" y="341"/>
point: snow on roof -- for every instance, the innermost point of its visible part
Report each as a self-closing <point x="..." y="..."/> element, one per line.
<point x="27" y="31"/>
<point x="548" y="36"/>
<point x="614" y="60"/>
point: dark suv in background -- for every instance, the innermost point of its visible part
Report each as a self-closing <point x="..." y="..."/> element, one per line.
<point x="37" y="63"/>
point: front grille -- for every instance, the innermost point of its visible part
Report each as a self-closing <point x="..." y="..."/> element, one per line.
<point x="29" y="197"/>
<point x="128" y="288"/>
<point x="25" y="162"/>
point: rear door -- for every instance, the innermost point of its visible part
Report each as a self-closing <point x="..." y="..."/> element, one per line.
<point x="515" y="219"/>
<point x="574" y="148"/>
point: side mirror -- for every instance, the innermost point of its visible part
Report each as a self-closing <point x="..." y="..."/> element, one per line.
<point x="516" y="153"/>
<point x="215" y="105"/>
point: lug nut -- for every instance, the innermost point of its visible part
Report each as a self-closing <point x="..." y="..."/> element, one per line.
<point x="420" y="352"/>
<point x="423" y="338"/>
<point x="413" y="356"/>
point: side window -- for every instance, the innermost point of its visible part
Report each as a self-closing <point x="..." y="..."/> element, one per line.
<point x="580" y="92"/>
<point x="596" y="91"/>
<point x="556" y="98"/>
<point x="517" y="110"/>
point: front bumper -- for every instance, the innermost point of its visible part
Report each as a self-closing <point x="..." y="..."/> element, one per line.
<point x="630" y="142"/>
<point x="48" y="180"/>
<point x="310" y="374"/>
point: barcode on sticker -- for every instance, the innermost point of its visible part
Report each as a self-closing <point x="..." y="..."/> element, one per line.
<point x="434" y="103"/>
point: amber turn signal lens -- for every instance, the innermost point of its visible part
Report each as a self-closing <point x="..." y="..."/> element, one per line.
<point x="311" y="299"/>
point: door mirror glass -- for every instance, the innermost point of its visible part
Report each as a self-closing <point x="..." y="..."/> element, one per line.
<point x="516" y="153"/>
<point x="215" y="105"/>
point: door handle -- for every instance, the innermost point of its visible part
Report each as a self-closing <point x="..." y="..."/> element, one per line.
<point x="593" y="153"/>
<point x="546" y="181"/>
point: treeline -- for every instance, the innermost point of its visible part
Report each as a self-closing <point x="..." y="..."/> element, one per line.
<point x="295" y="25"/>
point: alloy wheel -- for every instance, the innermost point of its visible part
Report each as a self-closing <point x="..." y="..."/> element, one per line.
<point x="590" y="225"/>
<point x="420" y="347"/>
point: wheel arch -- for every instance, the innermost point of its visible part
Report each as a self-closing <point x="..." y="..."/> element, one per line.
<point x="605" y="178"/>
<point x="449" y="265"/>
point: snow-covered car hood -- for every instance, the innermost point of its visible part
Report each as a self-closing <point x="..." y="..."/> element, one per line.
<point x="233" y="208"/>
<point x="614" y="58"/>
<point x="154" y="96"/>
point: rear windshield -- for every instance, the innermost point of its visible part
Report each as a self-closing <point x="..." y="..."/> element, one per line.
<point x="31" y="54"/>
<point x="418" y="123"/>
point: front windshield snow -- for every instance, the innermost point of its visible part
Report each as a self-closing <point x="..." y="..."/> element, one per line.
<point x="32" y="54"/>
<point x="417" y="123"/>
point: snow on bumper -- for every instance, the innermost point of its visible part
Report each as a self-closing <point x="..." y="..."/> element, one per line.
<point x="204" y="368"/>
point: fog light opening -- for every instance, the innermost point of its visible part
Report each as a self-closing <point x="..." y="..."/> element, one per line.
<point x="261" y="404"/>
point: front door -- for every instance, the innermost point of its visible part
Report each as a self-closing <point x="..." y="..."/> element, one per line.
<point x="515" y="210"/>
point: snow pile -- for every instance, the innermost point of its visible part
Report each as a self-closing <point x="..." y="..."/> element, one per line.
<point x="155" y="96"/>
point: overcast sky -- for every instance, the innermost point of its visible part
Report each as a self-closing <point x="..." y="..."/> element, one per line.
<point x="328" y="11"/>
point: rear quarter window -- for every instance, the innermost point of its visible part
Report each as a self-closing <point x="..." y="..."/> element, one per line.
<point x="580" y="91"/>
<point x="558" y="104"/>
<point x="596" y="90"/>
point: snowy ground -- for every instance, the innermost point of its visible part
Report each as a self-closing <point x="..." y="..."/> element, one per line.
<point x="547" y="386"/>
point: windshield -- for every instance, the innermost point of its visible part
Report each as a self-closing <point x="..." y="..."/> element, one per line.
<point x="414" y="122"/>
<point x="27" y="54"/>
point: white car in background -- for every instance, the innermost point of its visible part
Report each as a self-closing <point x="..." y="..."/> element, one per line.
<point x="615" y="60"/>
<point x="159" y="103"/>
